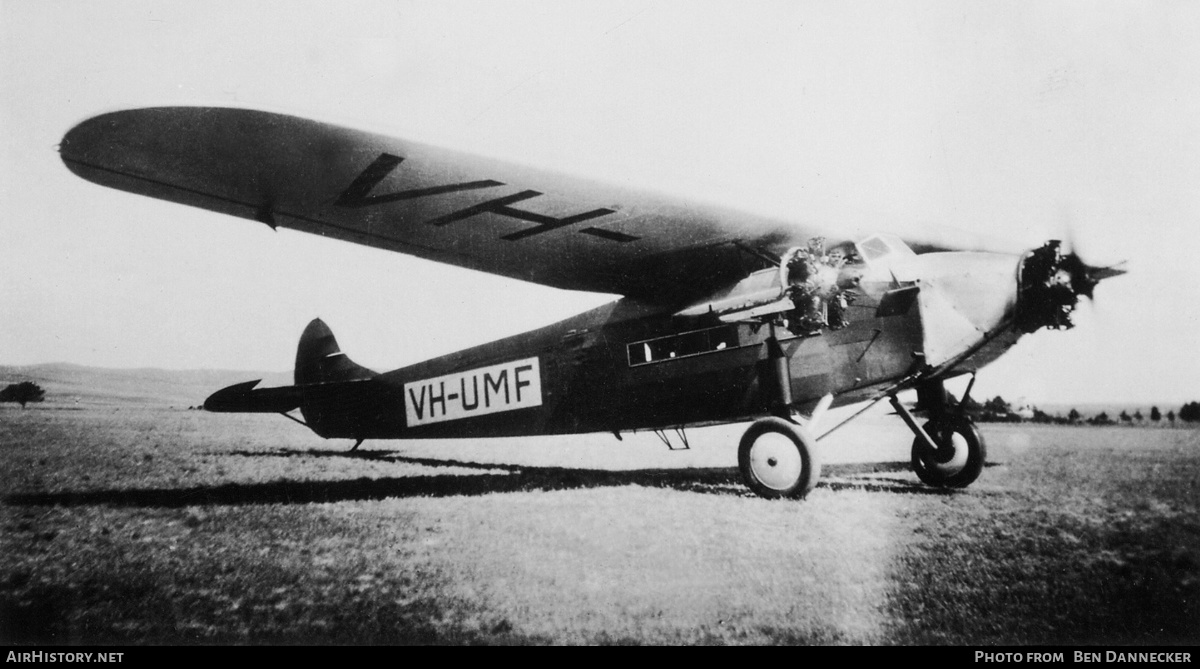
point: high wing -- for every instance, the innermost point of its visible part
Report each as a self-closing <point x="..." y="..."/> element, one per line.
<point x="429" y="202"/>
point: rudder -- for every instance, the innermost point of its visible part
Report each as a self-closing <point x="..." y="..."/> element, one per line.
<point x="320" y="360"/>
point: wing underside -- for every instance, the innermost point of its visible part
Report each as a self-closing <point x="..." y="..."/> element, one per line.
<point x="412" y="198"/>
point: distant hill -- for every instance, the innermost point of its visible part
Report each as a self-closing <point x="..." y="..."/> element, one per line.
<point x="67" y="384"/>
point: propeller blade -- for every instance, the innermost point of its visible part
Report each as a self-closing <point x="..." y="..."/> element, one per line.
<point x="1102" y="273"/>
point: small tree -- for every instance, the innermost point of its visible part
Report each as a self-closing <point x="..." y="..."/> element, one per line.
<point x="998" y="405"/>
<point x="1073" y="417"/>
<point x="996" y="409"/>
<point x="1040" y="416"/>
<point x="1125" y="417"/>
<point x="1137" y="415"/>
<point x="1155" y="415"/>
<point x="1190" y="412"/>
<point x="23" y="392"/>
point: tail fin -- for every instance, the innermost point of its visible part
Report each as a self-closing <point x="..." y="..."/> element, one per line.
<point x="319" y="360"/>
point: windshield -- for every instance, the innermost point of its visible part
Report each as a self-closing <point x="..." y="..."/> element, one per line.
<point x="882" y="250"/>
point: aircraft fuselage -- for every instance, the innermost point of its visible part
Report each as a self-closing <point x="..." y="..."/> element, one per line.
<point x="627" y="365"/>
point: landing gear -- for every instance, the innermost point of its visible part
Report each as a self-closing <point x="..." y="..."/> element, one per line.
<point x="778" y="459"/>
<point x="958" y="459"/>
<point x="948" y="452"/>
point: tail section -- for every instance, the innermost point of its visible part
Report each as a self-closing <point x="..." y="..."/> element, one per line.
<point x="320" y="360"/>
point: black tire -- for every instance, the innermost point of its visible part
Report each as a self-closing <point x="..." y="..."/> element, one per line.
<point x="778" y="459"/>
<point x="960" y="456"/>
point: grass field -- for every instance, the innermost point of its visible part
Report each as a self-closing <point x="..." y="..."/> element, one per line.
<point x="148" y="524"/>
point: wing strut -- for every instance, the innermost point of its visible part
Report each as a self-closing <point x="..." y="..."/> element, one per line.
<point x="291" y="417"/>
<point x="890" y="391"/>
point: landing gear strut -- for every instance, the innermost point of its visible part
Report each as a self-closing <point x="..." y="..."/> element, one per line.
<point x="948" y="452"/>
<point x="778" y="459"/>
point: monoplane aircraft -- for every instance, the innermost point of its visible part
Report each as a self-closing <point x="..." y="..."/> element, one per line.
<point x="724" y="316"/>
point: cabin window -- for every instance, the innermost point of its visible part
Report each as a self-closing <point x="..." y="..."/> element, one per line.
<point x="683" y="345"/>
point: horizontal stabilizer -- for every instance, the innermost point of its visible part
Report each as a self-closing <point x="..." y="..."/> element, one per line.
<point x="243" y="398"/>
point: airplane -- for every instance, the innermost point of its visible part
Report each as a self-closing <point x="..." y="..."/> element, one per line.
<point x="723" y="316"/>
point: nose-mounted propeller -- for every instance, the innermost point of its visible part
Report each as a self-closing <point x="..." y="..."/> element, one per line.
<point x="1051" y="282"/>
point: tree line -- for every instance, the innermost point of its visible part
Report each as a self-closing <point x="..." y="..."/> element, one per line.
<point x="997" y="410"/>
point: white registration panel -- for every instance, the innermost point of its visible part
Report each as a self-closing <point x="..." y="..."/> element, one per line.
<point x="503" y="387"/>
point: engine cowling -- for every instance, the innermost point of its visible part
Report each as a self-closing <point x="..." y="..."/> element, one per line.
<point x="1051" y="284"/>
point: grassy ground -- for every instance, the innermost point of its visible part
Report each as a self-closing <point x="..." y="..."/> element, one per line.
<point x="150" y="525"/>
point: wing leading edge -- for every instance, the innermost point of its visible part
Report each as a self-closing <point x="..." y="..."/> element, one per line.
<point x="413" y="198"/>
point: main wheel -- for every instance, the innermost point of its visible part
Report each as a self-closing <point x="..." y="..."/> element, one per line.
<point x="777" y="459"/>
<point x="959" y="458"/>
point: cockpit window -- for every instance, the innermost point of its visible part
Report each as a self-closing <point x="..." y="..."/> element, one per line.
<point x="884" y="249"/>
<point x="873" y="248"/>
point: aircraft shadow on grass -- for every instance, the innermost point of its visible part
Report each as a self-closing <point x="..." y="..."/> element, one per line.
<point x="875" y="477"/>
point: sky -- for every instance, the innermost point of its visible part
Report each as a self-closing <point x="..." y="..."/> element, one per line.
<point x="1012" y="121"/>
